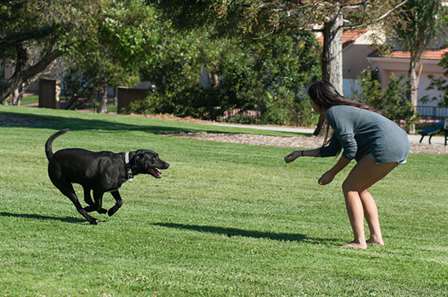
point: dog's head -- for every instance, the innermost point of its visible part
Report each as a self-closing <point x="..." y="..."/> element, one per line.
<point x="146" y="161"/>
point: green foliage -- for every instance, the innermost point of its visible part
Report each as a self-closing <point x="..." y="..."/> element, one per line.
<point x="113" y="52"/>
<point x="441" y="84"/>
<point x="392" y="102"/>
<point x="42" y="25"/>
<point x="416" y="24"/>
<point x="267" y="76"/>
<point x="129" y="29"/>
<point x="35" y="33"/>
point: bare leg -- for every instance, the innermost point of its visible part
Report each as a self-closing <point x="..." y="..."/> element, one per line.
<point x="356" y="215"/>
<point x="372" y="217"/>
<point x="362" y="177"/>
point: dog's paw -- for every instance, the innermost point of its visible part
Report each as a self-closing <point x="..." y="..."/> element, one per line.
<point x="89" y="208"/>
<point x="102" y="210"/>
<point x="93" y="222"/>
<point x="111" y="212"/>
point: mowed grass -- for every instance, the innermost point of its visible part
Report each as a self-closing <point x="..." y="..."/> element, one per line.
<point x="224" y="220"/>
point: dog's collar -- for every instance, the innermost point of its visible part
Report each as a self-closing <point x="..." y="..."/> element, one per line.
<point x="127" y="166"/>
<point x="126" y="158"/>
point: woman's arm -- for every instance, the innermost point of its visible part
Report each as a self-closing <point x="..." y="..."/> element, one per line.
<point x="306" y="153"/>
<point x="330" y="150"/>
<point x="340" y="164"/>
<point x="328" y="176"/>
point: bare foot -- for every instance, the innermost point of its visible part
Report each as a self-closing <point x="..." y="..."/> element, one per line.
<point x="375" y="241"/>
<point x="355" y="245"/>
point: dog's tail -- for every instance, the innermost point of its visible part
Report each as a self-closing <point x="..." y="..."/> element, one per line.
<point x="48" y="144"/>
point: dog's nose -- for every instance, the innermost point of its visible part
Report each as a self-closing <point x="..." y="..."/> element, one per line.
<point x="167" y="165"/>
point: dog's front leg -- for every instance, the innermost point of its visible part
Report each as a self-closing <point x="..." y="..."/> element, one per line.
<point x="98" y="196"/>
<point x="118" y="203"/>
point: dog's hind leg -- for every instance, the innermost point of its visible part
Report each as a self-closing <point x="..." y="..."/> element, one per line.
<point x="118" y="203"/>
<point x="98" y="203"/>
<point x="67" y="189"/>
<point x="88" y="199"/>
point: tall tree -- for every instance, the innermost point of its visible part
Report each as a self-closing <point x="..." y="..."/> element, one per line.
<point x="258" y="18"/>
<point x="124" y="32"/>
<point x="330" y="18"/>
<point x="414" y="28"/>
<point x="34" y="33"/>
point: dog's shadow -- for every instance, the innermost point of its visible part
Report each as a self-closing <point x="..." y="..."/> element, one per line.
<point x="297" y="237"/>
<point x="72" y="220"/>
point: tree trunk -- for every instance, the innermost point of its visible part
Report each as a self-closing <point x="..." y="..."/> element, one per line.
<point x="331" y="59"/>
<point x="332" y="53"/>
<point x="414" y="78"/>
<point x="102" y="108"/>
<point x="17" y="95"/>
<point x="22" y="74"/>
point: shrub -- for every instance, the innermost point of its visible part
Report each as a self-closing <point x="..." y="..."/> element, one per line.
<point x="441" y="84"/>
<point x="392" y="102"/>
<point x="267" y="76"/>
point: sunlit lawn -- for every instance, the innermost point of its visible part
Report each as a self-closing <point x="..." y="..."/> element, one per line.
<point x="225" y="219"/>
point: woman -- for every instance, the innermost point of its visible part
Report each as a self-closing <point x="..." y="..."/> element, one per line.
<point x="375" y="142"/>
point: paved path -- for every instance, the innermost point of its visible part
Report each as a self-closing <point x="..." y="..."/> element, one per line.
<point x="412" y="138"/>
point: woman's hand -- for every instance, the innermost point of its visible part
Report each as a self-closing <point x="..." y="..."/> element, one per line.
<point x="292" y="156"/>
<point x="326" y="178"/>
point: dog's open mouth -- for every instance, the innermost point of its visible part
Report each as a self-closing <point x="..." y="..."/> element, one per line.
<point x="154" y="172"/>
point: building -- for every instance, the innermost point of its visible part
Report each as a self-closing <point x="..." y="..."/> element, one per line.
<point x="360" y="53"/>
<point x="357" y="46"/>
<point x="397" y="63"/>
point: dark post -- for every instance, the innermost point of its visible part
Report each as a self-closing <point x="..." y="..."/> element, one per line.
<point x="49" y="91"/>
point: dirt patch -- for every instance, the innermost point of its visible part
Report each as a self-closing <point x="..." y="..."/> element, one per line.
<point x="299" y="142"/>
<point x="173" y="118"/>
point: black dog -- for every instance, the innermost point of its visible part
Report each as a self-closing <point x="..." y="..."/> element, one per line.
<point x="99" y="172"/>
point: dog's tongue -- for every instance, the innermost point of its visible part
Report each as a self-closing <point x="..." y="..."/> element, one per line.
<point x="154" y="172"/>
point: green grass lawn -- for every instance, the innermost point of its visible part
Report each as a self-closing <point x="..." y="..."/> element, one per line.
<point x="30" y="100"/>
<point x="224" y="220"/>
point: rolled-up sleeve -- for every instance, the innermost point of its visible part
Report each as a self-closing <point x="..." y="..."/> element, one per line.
<point x="348" y="142"/>
<point x="332" y="149"/>
<point x="343" y="137"/>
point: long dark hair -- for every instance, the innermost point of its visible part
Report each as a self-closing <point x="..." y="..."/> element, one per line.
<point x="325" y="95"/>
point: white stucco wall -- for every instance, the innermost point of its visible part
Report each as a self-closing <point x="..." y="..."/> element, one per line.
<point x="399" y="67"/>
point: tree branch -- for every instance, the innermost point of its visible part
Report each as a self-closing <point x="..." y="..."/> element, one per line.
<point x="356" y="5"/>
<point x="318" y="30"/>
<point x="18" y="37"/>
<point x="377" y="19"/>
<point x="23" y="75"/>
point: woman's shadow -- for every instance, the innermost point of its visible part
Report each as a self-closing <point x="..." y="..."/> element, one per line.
<point x="249" y="233"/>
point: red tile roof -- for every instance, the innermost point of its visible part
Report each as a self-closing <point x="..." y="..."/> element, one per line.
<point x="348" y="36"/>
<point x="427" y="54"/>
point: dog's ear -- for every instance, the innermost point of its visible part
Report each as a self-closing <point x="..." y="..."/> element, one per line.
<point x="137" y="155"/>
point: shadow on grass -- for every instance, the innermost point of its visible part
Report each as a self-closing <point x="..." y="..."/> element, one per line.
<point x="249" y="233"/>
<point x="41" y="217"/>
<point x="11" y="119"/>
<point x="30" y="120"/>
